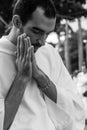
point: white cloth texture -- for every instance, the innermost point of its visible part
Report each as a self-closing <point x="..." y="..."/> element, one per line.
<point x="67" y="97"/>
<point x="34" y="112"/>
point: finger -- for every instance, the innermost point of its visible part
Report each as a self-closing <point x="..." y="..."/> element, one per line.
<point x="24" y="35"/>
<point x="22" y="48"/>
<point x="32" y="54"/>
<point x="29" y="53"/>
<point x="28" y="41"/>
<point x="25" y="49"/>
<point x="16" y="62"/>
<point x="18" y="47"/>
<point x="28" y="56"/>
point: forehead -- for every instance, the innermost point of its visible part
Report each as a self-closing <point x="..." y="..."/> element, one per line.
<point x="40" y="21"/>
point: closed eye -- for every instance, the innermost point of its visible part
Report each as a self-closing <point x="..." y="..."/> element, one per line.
<point x="37" y="30"/>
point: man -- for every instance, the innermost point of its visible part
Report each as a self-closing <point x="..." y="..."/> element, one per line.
<point x="41" y="107"/>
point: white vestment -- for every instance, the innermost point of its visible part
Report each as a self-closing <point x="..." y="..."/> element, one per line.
<point x="34" y="112"/>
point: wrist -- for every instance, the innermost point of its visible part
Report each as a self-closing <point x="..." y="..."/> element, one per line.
<point x="41" y="80"/>
<point x="37" y="75"/>
<point x="22" y="78"/>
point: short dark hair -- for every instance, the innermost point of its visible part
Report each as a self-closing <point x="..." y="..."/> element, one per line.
<point x="25" y="8"/>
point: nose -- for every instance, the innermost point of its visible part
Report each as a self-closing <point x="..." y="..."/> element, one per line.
<point x="41" y="42"/>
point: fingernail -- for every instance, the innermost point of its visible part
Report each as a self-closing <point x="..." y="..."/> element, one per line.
<point x="24" y="34"/>
<point x="28" y="37"/>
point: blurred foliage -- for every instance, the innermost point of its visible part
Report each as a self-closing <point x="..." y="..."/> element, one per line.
<point x="6" y="9"/>
<point x="70" y="9"/>
<point x="73" y="47"/>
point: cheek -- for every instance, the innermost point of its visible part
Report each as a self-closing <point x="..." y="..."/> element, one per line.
<point x="31" y="35"/>
<point x="33" y="38"/>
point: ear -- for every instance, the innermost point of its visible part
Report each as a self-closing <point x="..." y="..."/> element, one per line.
<point x="17" y="21"/>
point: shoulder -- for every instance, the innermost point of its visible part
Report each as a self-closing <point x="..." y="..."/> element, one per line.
<point x="49" y="53"/>
<point x="49" y="60"/>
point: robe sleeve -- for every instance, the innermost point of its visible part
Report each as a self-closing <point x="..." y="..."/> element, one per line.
<point x="1" y="113"/>
<point x="49" y="60"/>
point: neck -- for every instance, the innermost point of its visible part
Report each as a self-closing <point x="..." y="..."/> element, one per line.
<point x="12" y="36"/>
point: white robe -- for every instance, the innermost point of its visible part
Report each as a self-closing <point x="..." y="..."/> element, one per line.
<point x="51" y="63"/>
<point x="34" y="113"/>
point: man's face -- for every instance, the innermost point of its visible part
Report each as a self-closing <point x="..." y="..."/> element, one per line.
<point x="39" y="27"/>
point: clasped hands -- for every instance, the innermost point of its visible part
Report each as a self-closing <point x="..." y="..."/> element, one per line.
<point x="25" y="61"/>
<point x="27" y="68"/>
